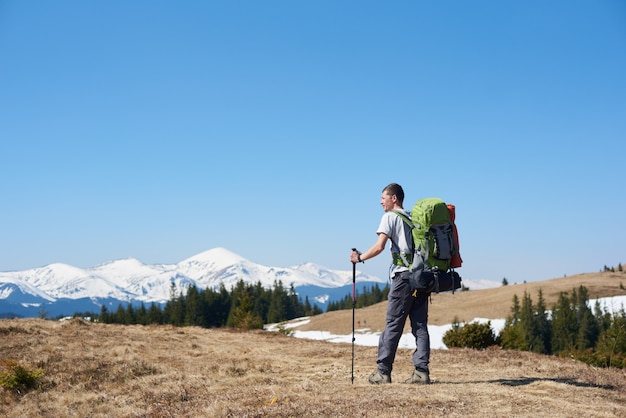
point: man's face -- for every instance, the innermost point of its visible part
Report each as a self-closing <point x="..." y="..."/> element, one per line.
<point x="387" y="201"/>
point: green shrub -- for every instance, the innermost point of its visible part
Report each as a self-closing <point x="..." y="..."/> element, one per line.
<point x="598" y="359"/>
<point x="18" y="377"/>
<point x="247" y="320"/>
<point x="473" y="335"/>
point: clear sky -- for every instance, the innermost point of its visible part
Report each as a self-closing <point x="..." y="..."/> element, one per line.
<point x="161" y="129"/>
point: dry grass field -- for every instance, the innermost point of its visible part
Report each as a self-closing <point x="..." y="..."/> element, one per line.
<point x="98" y="370"/>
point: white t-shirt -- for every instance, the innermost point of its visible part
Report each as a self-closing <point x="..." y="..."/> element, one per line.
<point x="399" y="234"/>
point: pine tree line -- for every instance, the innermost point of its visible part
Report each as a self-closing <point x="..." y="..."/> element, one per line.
<point x="246" y="306"/>
<point x="571" y="329"/>
<point x="612" y="269"/>
<point x="365" y="298"/>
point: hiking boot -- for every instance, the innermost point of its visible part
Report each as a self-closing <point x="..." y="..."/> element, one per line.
<point x="379" y="378"/>
<point x="419" y="377"/>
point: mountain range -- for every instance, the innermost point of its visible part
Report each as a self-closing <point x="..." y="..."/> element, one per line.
<point x="61" y="289"/>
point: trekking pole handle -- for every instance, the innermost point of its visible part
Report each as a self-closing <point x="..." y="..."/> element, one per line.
<point x="354" y="279"/>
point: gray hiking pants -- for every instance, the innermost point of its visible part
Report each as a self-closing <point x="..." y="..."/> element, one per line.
<point x="402" y="304"/>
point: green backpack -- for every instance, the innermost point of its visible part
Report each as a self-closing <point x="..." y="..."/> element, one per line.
<point x="435" y="245"/>
<point x="433" y="232"/>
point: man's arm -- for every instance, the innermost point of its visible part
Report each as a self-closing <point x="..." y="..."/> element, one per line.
<point x="375" y="249"/>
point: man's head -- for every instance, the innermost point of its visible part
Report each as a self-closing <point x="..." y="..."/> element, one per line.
<point x="393" y="197"/>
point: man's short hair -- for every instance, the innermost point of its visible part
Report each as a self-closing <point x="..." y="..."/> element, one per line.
<point x="395" y="188"/>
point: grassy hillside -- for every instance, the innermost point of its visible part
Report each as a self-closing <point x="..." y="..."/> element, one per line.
<point x="100" y="370"/>
<point x="487" y="303"/>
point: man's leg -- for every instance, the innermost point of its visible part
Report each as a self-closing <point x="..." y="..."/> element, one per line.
<point x="419" y="327"/>
<point x="398" y="308"/>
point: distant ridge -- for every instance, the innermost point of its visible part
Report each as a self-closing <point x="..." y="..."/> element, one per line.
<point x="24" y="293"/>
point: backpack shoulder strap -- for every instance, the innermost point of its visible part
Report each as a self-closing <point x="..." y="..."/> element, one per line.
<point x="404" y="218"/>
<point x="405" y="260"/>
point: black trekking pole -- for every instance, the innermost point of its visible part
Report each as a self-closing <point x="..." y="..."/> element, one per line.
<point x="353" y="307"/>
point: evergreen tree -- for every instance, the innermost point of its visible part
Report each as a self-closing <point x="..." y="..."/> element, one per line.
<point x="543" y="327"/>
<point x="241" y="315"/>
<point x="167" y="309"/>
<point x="603" y="318"/>
<point x="308" y="309"/>
<point x="515" y="310"/>
<point x="528" y="327"/>
<point x="564" y="326"/>
<point x="105" y="317"/>
<point x="376" y="295"/>
<point x="219" y="305"/>
<point x="332" y="306"/>
<point x="385" y="293"/>
<point x="588" y="327"/>
<point x="120" y="316"/>
<point x="179" y="310"/>
<point x="316" y="310"/>
<point x="294" y="307"/>
<point x="512" y="335"/>
<point x="155" y="315"/>
<point x="174" y="311"/>
<point x="141" y="315"/>
<point x="279" y="303"/>
<point x="193" y="314"/>
<point x="611" y="346"/>
<point x="527" y="322"/>
<point x="261" y="300"/>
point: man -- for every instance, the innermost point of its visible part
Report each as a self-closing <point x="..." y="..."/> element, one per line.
<point x="400" y="301"/>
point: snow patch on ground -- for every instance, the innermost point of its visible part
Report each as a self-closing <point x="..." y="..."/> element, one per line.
<point x="365" y="337"/>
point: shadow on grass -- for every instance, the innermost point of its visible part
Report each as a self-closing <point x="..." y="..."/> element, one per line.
<point x="522" y="381"/>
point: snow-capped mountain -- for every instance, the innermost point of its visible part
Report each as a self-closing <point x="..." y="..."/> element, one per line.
<point x="129" y="280"/>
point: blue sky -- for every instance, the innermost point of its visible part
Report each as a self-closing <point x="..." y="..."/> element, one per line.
<point x="161" y="129"/>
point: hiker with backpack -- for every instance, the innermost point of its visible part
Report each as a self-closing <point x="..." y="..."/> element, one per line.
<point x="403" y="302"/>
